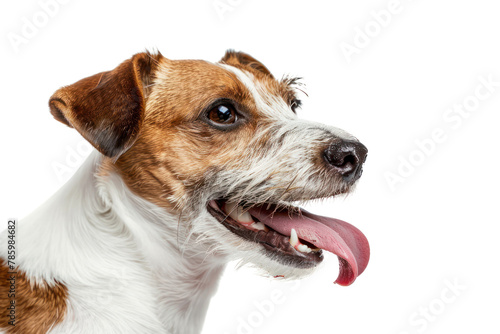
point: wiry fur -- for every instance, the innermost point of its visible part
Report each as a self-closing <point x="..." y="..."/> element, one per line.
<point x="131" y="238"/>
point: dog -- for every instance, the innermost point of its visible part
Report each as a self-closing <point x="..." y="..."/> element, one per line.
<point x="195" y="164"/>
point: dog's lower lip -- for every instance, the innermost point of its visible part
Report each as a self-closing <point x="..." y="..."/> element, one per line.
<point x="276" y="245"/>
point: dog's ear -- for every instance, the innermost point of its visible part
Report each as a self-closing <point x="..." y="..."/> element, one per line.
<point x="108" y="108"/>
<point x="238" y="58"/>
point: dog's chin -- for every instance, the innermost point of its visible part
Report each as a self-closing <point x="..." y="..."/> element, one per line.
<point x="270" y="266"/>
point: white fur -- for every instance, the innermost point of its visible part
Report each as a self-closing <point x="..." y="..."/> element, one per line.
<point x="118" y="256"/>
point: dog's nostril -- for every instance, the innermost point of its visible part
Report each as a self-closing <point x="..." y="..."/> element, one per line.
<point x="348" y="160"/>
<point x="344" y="161"/>
<point x="346" y="157"/>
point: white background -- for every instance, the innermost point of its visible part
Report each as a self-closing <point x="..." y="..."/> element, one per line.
<point x="438" y="226"/>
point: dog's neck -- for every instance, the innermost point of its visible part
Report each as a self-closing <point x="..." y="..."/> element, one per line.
<point x="126" y="243"/>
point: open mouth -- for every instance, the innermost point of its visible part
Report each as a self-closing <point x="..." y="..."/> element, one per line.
<point x="297" y="237"/>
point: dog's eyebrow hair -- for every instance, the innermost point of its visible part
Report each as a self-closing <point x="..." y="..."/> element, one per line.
<point x="294" y="83"/>
<point x="291" y="81"/>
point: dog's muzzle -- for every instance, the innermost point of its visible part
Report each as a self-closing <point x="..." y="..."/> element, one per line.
<point x="295" y="237"/>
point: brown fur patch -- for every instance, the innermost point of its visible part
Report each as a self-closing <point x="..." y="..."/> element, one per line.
<point x="175" y="148"/>
<point x="244" y="61"/>
<point x="107" y="108"/>
<point x="38" y="308"/>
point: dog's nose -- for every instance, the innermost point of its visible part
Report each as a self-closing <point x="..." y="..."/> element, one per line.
<point x="347" y="158"/>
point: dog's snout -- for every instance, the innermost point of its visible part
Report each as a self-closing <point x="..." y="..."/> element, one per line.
<point x="347" y="158"/>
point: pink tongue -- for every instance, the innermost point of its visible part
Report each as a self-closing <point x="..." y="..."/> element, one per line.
<point x="333" y="235"/>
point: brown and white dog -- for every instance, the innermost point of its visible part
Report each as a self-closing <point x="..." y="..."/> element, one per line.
<point x="196" y="164"/>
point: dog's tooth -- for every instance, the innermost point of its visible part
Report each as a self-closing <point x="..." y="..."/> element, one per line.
<point x="294" y="239"/>
<point x="229" y="208"/>
<point x="244" y="216"/>
<point x="259" y="226"/>
<point x="237" y="213"/>
<point x="233" y="212"/>
<point x="304" y="249"/>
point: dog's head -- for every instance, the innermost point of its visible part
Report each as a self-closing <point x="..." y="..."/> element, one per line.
<point x="220" y="146"/>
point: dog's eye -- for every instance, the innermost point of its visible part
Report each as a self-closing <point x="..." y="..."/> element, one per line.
<point x="296" y="103"/>
<point x="222" y="114"/>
